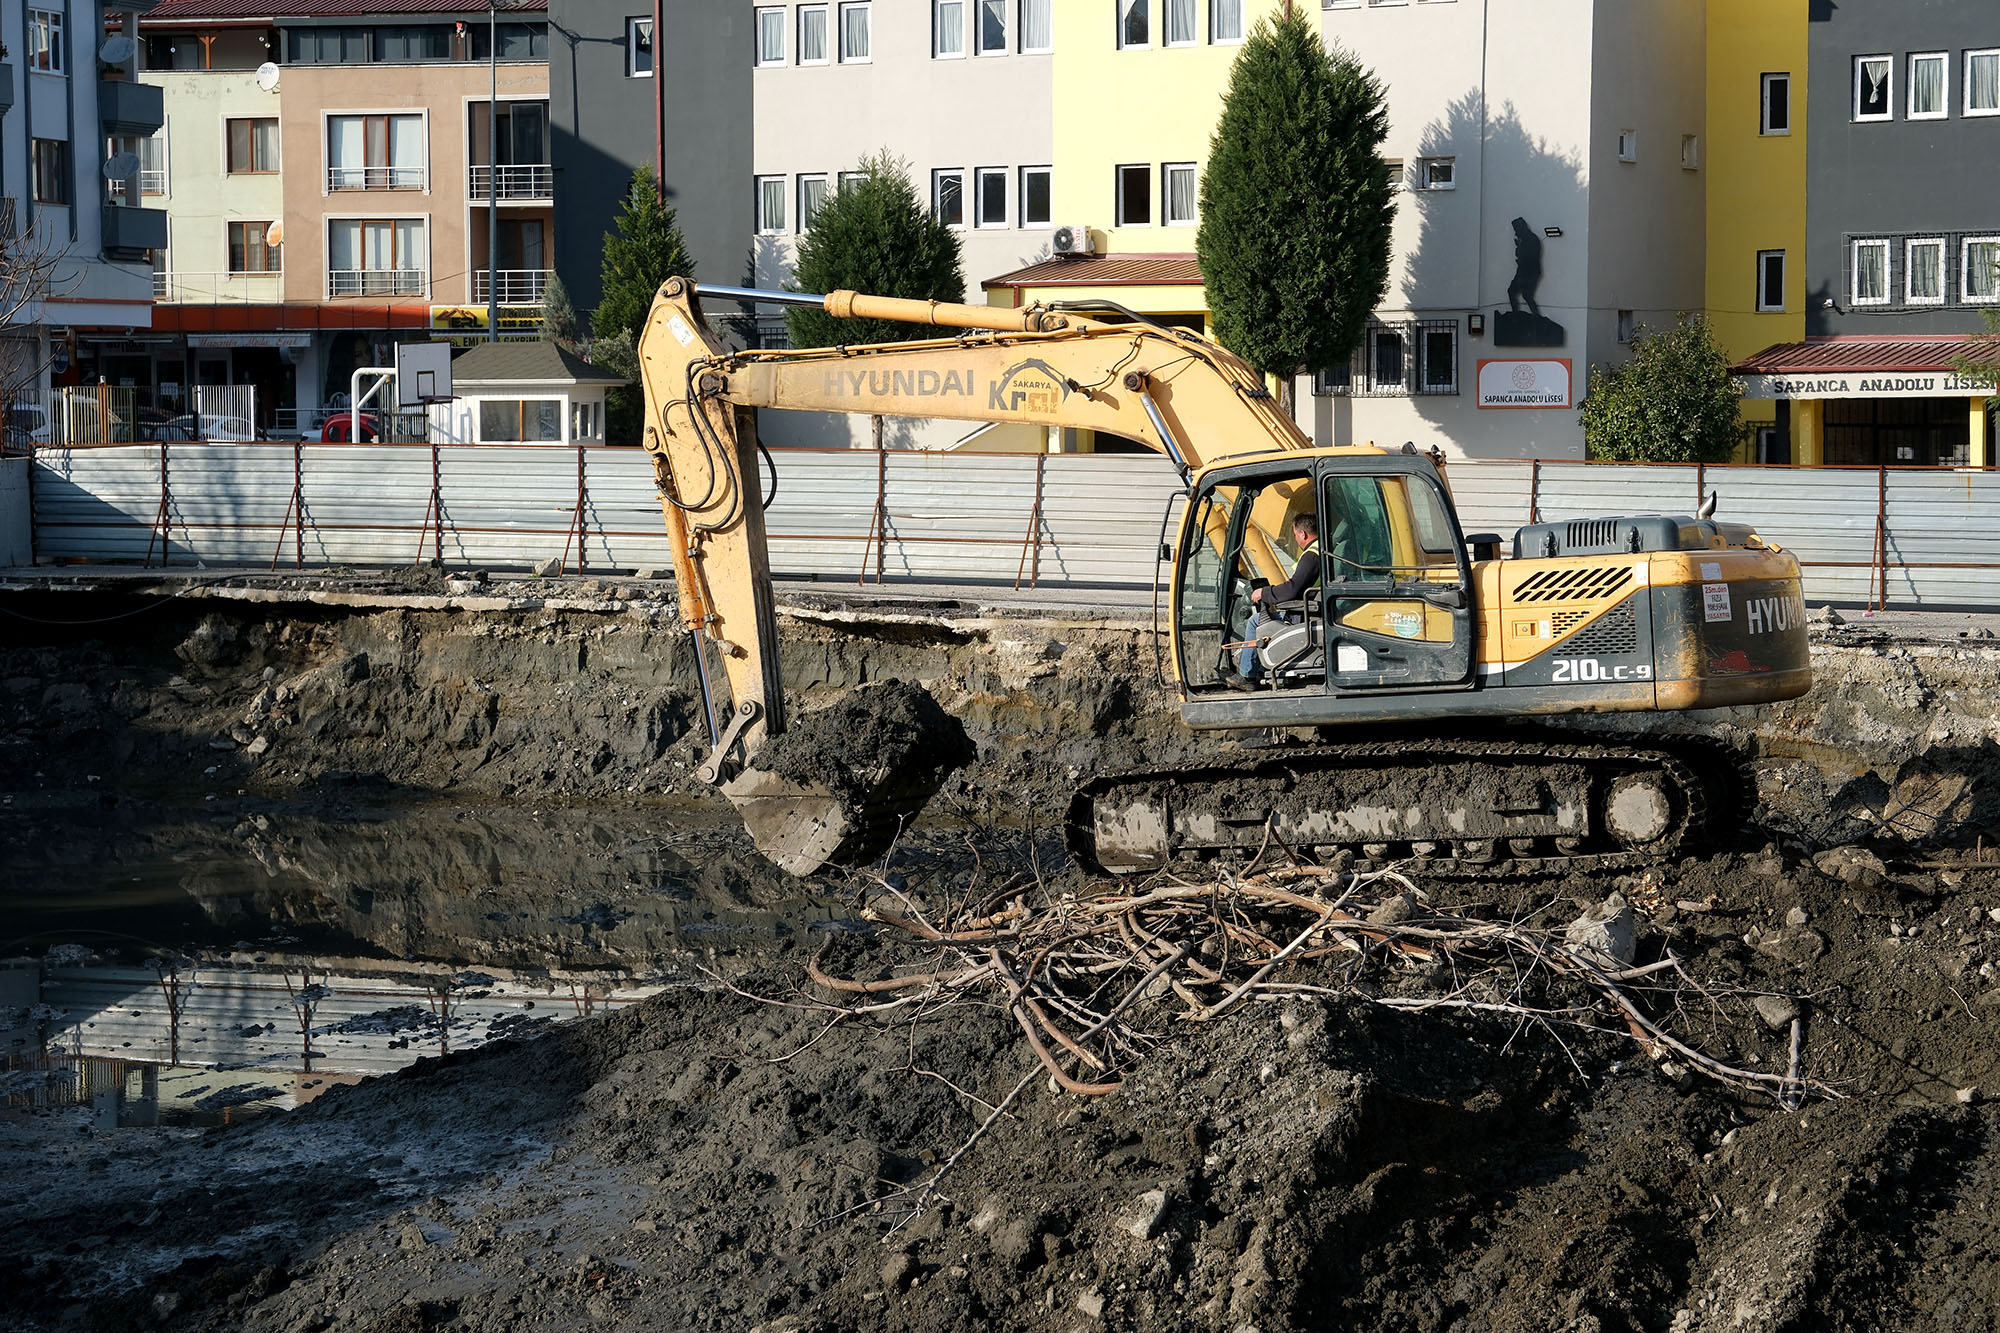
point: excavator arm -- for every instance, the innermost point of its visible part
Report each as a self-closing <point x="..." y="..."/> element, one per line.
<point x="1039" y="366"/>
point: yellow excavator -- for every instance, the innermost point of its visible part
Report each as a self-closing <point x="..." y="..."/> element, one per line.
<point x="1404" y="657"/>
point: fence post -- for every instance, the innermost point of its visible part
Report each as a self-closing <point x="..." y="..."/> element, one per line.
<point x="1033" y="536"/>
<point x="1882" y="534"/>
<point x="1535" y="490"/>
<point x="1700" y="486"/>
<point x="292" y="507"/>
<point x="878" y="527"/>
<point x="576" y="522"/>
<point x="160" y="528"/>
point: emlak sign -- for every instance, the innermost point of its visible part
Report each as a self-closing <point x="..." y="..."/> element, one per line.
<point x="1541" y="382"/>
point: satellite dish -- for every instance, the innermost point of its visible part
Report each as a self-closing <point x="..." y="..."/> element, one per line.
<point x="274" y="235"/>
<point x="267" y="77"/>
<point x="117" y="49"/>
<point x="120" y="166"/>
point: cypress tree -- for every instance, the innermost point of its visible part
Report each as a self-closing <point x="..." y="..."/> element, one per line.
<point x="645" y="249"/>
<point x="873" y="235"/>
<point x="1296" y="204"/>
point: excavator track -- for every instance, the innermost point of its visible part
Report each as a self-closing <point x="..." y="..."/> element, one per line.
<point x="1461" y="808"/>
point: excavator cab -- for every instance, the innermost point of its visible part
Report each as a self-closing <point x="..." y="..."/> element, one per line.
<point x="1392" y="608"/>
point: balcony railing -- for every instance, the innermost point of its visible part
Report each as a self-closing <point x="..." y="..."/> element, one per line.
<point x="375" y="178"/>
<point x="150" y="183"/>
<point x="377" y="282"/>
<point x="517" y="286"/>
<point x="529" y="181"/>
<point x="172" y="287"/>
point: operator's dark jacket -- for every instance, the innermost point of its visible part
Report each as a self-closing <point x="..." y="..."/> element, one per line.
<point x="1305" y="574"/>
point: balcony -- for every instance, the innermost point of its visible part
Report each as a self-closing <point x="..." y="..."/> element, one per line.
<point x="517" y="286"/>
<point x="529" y="183"/>
<point x="133" y="230"/>
<point x="178" y="288"/>
<point x="377" y="282"/>
<point x="150" y="183"/>
<point x="126" y="108"/>
<point x="375" y="178"/>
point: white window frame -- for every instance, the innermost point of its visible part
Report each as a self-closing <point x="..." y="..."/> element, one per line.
<point x="326" y="119"/>
<point x="1943" y="59"/>
<point x="844" y="180"/>
<point x="49" y="23"/>
<point x="825" y="35"/>
<point x="1340" y="4"/>
<point x="805" y="214"/>
<point x="1167" y="38"/>
<point x="1121" y="13"/>
<point x="1764" y="103"/>
<point x="1427" y="173"/>
<point x="1628" y="145"/>
<point x="1889" y="97"/>
<point x="1145" y="171"/>
<point x="1854" y="271"/>
<point x="633" y="26"/>
<point x="1763" y="259"/>
<point x="768" y="19"/>
<point x="939" y="29"/>
<point x="1167" y="170"/>
<point x="1021" y="197"/>
<point x="939" y="176"/>
<point x="1990" y="52"/>
<point x="330" y="220"/>
<point x="1216" y="37"/>
<point x="977" y="22"/>
<point x="1386" y="4"/>
<point x="1690" y="152"/>
<point x="1965" y="291"/>
<point x="1910" y="247"/>
<point x="762" y="185"/>
<point x="1398" y="174"/>
<point x="1021" y="27"/>
<point x="977" y="212"/>
<point x="847" y="7"/>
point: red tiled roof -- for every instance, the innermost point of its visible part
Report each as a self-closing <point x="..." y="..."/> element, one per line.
<point x="1860" y="353"/>
<point x="183" y="11"/>
<point x="1105" y="271"/>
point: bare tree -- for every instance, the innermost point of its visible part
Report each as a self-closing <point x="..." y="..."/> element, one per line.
<point x="34" y="267"/>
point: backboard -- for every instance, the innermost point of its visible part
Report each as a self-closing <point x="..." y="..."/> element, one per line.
<point x="423" y="374"/>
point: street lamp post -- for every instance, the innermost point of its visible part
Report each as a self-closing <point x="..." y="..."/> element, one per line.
<point x="493" y="173"/>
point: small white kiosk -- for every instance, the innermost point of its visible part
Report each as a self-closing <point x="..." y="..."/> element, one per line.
<point x="523" y="393"/>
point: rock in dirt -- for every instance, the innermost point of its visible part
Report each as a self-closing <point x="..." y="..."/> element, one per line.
<point x="1777" y="1011"/>
<point x="1851" y="865"/>
<point x="1395" y="911"/>
<point x="1142" y="1219"/>
<point x="1606" y="934"/>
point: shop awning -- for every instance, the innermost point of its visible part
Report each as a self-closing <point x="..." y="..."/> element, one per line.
<point x="1865" y="367"/>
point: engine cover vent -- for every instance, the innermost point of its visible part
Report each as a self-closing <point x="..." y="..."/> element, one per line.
<point x="1617" y="631"/>
<point x="1573" y="585"/>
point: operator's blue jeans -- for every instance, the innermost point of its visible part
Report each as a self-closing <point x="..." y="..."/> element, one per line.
<point x="1247" y="664"/>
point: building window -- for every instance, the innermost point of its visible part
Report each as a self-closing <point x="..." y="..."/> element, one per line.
<point x="770" y="37"/>
<point x="248" y="252"/>
<point x="1035" y="203"/>
<point x="812" y="34"/>
<point x="1438" y="346"/>
<point x="1386" y="348"/>
<point x="1628" y="145"/>
<point x="1923" y="272"/>
<point x="1134" y="24"/>
<point x="847" y="180"/>
<point x="45" y="40"/>
<point x="1180" y="19"/>
<point x="329" y="46"/>
<point x="1690" y="152"/>
<point x="1770" y="280"/>
<point x="253" y="144"/>
<point x="948" y="196"/>
<point x="1225" y="21"/>
<point x="520" y="421"/>
<point x="990" y="197"/>
<point x="638" y="48"/>
<point x="992" y="27"/>
<point x="1871" y="273"/>
<point x="1340" y="4"/>
<point x="152" y="154"/>
<point x="51" y="163"/>
<point x="1437" y="173"/>
<point x="1178" y="194"/>
<point x="375" y="152"/>
<point x="1874" y="79"/>
<point x="1135" y="196"/>
<point x="1777" y="113"/>
<point x="1392" y="171"/>
<point x="770" y="205"/>
<point x="1037" y="25"/>
<point x="855" y="33"/>
<point x="1927" y="86"/>
<point x="375" y="257"/>
<point x="948" y="29"/>
<point x="1979" y="271"/>
<point x="812" y="193"/>
<point x="1982" y="83"/>
<point x="1396" y="360"/>
<point x="1625" y="326"/>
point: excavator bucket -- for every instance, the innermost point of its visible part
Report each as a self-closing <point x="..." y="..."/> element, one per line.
<point x="805" y="828"/>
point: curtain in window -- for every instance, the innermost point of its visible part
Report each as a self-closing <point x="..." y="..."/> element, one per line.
<point x="1035" y="25"/>
<point x="770" y="36"/>
<point x="854" y="32"/>
<point x="1927" y="87"/>
<point x="1133" y="23"/>
<point x="1228" y="16"/>
<point x="1180" y="195"/>
<point x="1874" y="87"/>
<point x="264" y="146"/>
<point x="1982" y="76"/>
<point x="1871" y="277"/>
<point x="812" y="193"/>
<point x="343" y="246"/>
<point x="951" y="27"/>
<point x="1982" y="269"/>
<point x="772" y="208"/>
<point x="1926" y="272"/>
<point x="992" y="25"/>
<point x="1180" y="20"/>
<point x="406" y="152"/>
<point x="812" y="33"/>
<point x="346" y="153"/>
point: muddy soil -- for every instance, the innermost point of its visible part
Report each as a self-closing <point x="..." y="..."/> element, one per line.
<point x="706" y="1160"/>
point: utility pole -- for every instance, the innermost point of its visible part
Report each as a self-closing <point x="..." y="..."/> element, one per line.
<point x="493" y="173"/>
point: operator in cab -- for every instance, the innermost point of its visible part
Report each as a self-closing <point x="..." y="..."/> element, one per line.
<point x="1305" y="574"/>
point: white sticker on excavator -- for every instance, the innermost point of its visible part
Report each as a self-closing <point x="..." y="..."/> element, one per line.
<point x="679" y="328"/>
<point x="1711" y="569"/>
<point x="1349" y="657"/>
<point x="1715" y="602"/>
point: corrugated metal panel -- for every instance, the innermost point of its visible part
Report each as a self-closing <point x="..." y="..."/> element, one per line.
<point x="1824" y="517"/>
<point x="1102" y="518"/>
<point x="507" y="505"/>
<point x="1939" y="519"/>
<point x="1600" y="490"/>
<point x="96" y="504"/>
<point x="1490" y="497"/>
<point x="365" y="503"/>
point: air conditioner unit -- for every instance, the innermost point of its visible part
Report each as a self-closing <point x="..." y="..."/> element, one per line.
<point x="1072" y="242"/>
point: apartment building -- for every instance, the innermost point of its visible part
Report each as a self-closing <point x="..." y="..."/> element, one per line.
<point x="78" y="231"/>
<point x="333" y="171"/>
<point x="1900" y="253"/>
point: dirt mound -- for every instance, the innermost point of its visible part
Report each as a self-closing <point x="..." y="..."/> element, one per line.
<point x="893" y="732"/>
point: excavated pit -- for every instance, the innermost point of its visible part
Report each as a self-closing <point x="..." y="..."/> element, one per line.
<point x="488" y="805"/>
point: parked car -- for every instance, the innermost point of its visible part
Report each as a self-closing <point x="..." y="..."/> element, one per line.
<point x="209" y="426"/>
<point x="339" y="429"/>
